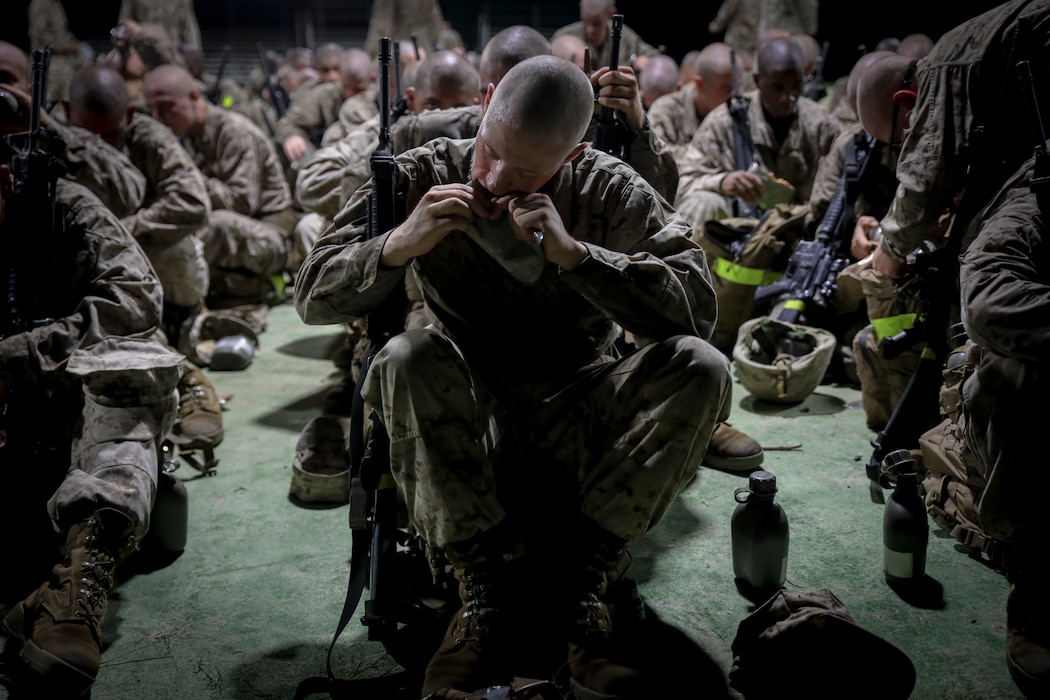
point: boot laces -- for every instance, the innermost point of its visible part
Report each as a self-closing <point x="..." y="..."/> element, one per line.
<point x="474" y="619"/>
<point x="192" y="398"/>
<point x="95" y="580"/>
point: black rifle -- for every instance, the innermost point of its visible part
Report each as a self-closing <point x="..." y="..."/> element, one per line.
<point x="401" y="103"/>
<point x="609" y="132"/>
<point x="214" y="93"/>
<point x="29" y="261"/>
<point x="373" y="495"/>
<point x="815" y="89"/>
<point x="743" y="146"/>
<point x="278" y="95"/>
<point x="813" y="268"/>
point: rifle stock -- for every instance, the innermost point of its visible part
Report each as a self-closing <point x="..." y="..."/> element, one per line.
<point x="608" y="133"/>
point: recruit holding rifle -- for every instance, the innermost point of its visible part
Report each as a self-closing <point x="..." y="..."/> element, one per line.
<point x="813" y="268"/>
<point x="609" y="132"/>
<point x="743" y="146"/>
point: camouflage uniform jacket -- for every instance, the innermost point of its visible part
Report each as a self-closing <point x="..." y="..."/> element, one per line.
<point x="332" y="173"/>
<point x="311" y="112"/>
<point x="643" y="272"/>
<point x="739" y="20"/>
<point x="631" y="45"/>
<point x="793" y="16"/>
<point x="176" y="16"/>
<point x="48" y="25"/>
<point x="109" y="289"/>
<point x="240" y="163"/>
<point x="959" y="85"/>
<point x="400" y="19"/>
<point x="673" y="118"/>
<point x="177" y="202"/>
<point x="353" y="112"/>
<point x="106" y="171"/>
<point x="711" y="155"/>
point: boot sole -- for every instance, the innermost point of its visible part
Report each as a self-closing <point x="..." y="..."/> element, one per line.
<point x="58" y="674"/>
<point x="734" y="464"/>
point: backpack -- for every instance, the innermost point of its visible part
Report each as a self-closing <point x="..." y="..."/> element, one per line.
<point x="952" y="478"/>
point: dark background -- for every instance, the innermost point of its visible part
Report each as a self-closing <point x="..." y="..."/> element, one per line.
<point x="678" y="26"/>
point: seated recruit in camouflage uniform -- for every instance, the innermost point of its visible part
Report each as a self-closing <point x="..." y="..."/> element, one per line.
<point x="595" y="28"/>
<point x="789" y="142"/>
<point x="247" y="237"/>
<point x="317" y="107"/>
<point x="176" y="204"/>
<point x="970" y="79"/>
<point x="87" y="391"/>
<point x="325" y="182"/>
<point x="551" y="234"/>
<point x="676" y="117"/>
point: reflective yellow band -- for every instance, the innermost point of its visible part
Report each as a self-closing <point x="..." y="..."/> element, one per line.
<point x="795" y="305"/>
<point x="891" y="325"/>
<point x="386" y="481"/>
<point x="751" y="276"/>
<point x="928" y="353"/>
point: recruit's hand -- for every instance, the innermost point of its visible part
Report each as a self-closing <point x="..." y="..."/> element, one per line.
<point x="864" y="241"/>
<point x="535" y="220"/>
<point x="619" y="90"/>
<point x="740" y="183"/>
<point x="295" y="148"/>
<point x="443" y="209"/>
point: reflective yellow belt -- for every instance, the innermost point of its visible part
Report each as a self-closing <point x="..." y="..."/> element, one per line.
<point x="751" y="276"/>
<point x="891" y="325"/>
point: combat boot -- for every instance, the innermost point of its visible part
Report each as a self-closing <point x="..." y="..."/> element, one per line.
<point x="60" y="623"/>
<point x="1028" y="626"/>
<point x="198" y="424"/>
<point x="476" y="650"/>
<point x="732" y="450"/>
<point x="594" y="674"/>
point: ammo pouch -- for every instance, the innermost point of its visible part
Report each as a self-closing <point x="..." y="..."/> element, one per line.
<point x="745" y="254"/>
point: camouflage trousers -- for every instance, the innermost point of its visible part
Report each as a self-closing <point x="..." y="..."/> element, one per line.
<point x="130" y="404"/>
<point x="233" y="241"/>
<point x="181" y="269"/>
<point x="616" y="444"/>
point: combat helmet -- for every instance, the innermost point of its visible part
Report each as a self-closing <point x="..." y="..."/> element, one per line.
<point x="781" y="361"/>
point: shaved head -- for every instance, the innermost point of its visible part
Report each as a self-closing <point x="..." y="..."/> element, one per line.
<point x="880" y="97"/>
<point x="97" y="100"/>
<point x="174" y="99"/>
<point x="522" y="101"/>
<point x="170" y="77"/>
<point x="507" y="48"/>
